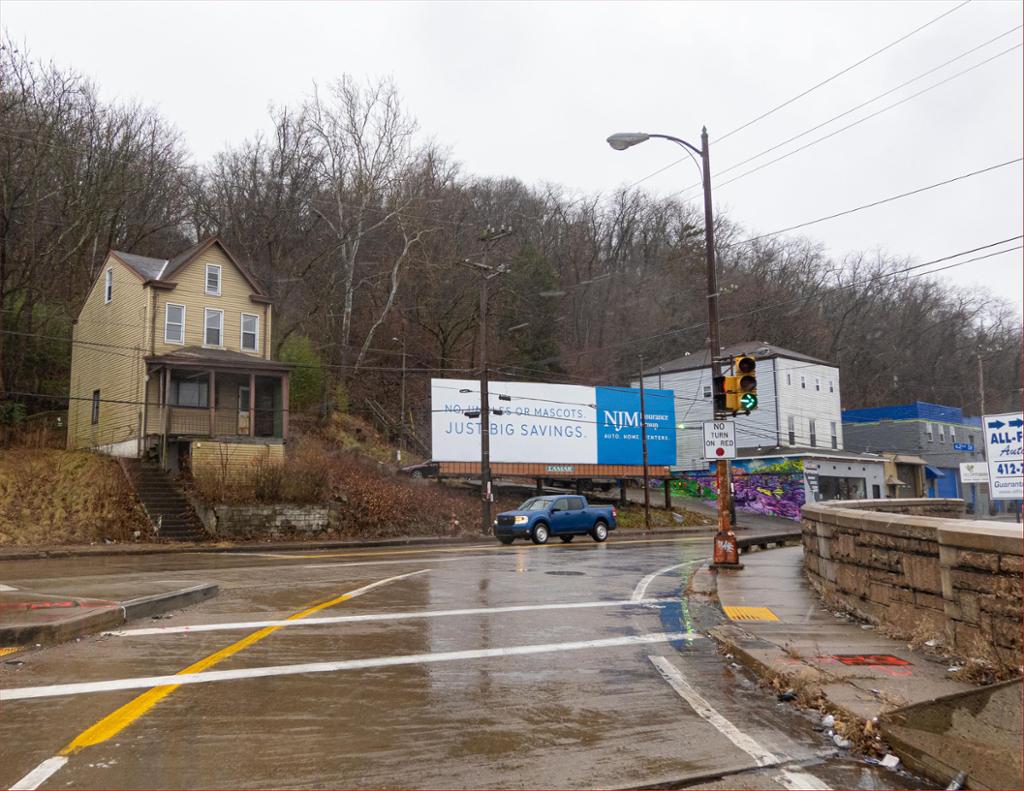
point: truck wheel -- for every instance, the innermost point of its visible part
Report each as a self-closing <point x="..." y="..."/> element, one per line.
<point x="567" y="539"/>
<point x="540" y="534"/>
<point x="506" y="540"/>
<point x="600" y="531"/>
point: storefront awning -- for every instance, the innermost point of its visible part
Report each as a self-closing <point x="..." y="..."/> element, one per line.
<point x="933" y="472"/>
<point x="892" y="480"/>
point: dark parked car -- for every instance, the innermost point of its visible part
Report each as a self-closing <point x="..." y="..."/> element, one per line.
<point x="427" y="469"/>
<point x="555" y="515"/>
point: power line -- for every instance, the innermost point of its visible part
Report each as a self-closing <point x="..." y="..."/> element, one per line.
<point x="841" y="72"/>
<point x="857" y="122"/>
<point x="879" y="202"/>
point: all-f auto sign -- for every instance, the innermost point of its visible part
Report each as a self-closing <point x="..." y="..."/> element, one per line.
<point x="552" y="424"/>
<point x="1004" y="452"/>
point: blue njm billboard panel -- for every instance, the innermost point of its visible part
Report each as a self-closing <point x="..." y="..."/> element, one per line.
<point x="619" y="426"/>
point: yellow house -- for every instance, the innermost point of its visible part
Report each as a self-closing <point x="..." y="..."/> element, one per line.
<point x="171" y="360"/>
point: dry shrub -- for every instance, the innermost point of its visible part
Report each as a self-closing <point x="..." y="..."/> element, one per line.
<point x="381" y="505"/>
<point x="302" y="478"/>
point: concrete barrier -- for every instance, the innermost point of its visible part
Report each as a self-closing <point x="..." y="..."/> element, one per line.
<point x="918" y="567"/>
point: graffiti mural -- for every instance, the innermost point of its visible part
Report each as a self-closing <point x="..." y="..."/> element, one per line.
<point x="771" y="486"/>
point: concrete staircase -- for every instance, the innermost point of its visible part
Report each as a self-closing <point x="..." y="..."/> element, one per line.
<point x="165" y="504"/>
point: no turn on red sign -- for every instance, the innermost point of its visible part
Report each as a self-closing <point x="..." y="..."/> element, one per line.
<point x="719" y="439"/>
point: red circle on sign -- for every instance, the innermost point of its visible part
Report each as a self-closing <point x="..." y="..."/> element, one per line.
<point x="719" y="451"/>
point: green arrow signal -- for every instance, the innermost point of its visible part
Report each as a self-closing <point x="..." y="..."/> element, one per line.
<point x="748" y="401"/>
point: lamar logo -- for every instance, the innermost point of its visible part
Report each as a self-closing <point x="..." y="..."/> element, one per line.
<point x="620" y="419"/>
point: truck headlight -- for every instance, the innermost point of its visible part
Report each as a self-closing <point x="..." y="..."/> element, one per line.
<point x="522" y="520"/>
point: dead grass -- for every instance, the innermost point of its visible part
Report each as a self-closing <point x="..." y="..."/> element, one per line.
<point x="64" y="497"/>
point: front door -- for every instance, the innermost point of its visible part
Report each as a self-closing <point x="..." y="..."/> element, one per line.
<point x="243" y="410"/>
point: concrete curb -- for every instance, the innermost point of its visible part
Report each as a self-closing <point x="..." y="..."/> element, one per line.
<point x="282" y="546"/>
<point x="100" y="620"/>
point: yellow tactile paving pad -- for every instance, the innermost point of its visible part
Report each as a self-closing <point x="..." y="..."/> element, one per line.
<point x="750" y="614"/>
<point x="9" y="650"/>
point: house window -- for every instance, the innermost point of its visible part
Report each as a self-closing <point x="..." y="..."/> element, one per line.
<point x="191" y="392"/>
<point x="174" y="323"/>
<point x="817" y="384"/>
<point x="250" y="331"/>
<point x="95" y="407"/>
<point x="707" y="391"/>
<point x="213" y="279"/>
<point x="108" y="286"/>
<point x="952" y="434"/>
<point x="942" y="433"/>
<point x="831" y="389"/>
<point x="929" y="429"/>
<point x="789" y="378"/>
<point x="970" y="439"/>
<point x="214" y="335"/>
<point x="803" y="383"/>
<point x="792" y="430"/>
<point x="814" y="436"/>
<point x="835" y="436"/>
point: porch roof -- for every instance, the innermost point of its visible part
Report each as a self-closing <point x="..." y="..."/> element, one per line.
<point x="198" y="357"/>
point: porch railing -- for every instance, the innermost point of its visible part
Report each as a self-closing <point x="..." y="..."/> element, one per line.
<point x="195" y="421"/>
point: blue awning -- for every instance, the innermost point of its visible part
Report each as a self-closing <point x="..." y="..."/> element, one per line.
<point x="933" y="472"/>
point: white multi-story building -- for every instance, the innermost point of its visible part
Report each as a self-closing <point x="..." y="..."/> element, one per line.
<point x="798" y="401"/>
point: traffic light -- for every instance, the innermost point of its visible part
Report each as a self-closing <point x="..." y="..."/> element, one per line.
<point x="721" y="399"/>
<point x="745" y="369"/>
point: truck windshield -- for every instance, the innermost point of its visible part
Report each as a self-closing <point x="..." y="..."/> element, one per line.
<point x="535" y="504"/>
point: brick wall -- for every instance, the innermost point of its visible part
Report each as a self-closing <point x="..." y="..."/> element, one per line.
<point x="920" y="569"/>
<point x="271" y="521"/>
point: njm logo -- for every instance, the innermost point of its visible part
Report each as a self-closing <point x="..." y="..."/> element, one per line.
<point x="620" y="419"/>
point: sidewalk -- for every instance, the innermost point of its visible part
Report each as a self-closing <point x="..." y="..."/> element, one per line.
<point x="841" y="665"/>
<point x="28" y="617"/>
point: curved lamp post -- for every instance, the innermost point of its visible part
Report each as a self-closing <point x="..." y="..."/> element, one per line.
<point x="620" y="141"/>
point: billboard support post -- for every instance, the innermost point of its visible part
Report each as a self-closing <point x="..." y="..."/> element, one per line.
<point x="643" y="442"/>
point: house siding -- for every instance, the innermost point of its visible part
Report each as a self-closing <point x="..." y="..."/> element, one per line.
<point x="767" y="425"/>
<point x="114" y="365"/>
<point x="234" y="460"/>
<point x="233" y="300"/>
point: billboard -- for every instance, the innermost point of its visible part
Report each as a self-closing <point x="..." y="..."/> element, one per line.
<point x="552" y="424"/>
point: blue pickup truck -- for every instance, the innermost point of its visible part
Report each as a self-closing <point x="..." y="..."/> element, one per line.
<point x="565" y="516"/>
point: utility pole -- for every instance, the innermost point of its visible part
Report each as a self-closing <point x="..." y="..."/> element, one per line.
<point x="489" y="238"/>
<point x="722" y="472"/>
<point x="981" y="384"/>
<point x="643" y="441"/>
<point x="726" y="553"/>
<point x="401" y="428"/>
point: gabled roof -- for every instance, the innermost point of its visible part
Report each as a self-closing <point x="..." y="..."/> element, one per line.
<point x="146" y="268"/>
<point x="162" y="269"/>
<point x="759" y="349"/>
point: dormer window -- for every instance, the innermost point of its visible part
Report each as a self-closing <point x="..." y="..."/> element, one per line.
<point x="108" y="286"/>
<point x="213" y="279"/>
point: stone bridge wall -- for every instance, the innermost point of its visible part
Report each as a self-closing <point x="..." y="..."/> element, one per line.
<point x="270" y="521"/>
<point x="915" y="566"/>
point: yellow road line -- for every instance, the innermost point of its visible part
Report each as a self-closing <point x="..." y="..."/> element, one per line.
<point x="488" y="548"/>
<point x="120" y="719"/>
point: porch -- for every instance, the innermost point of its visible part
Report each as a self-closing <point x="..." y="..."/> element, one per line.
<point x="211" y="394"/>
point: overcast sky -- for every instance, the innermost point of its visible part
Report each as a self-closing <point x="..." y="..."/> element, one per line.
<point x="531" y="90"/>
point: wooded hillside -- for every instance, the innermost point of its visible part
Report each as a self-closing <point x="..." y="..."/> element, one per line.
<point x="358" y="226"/>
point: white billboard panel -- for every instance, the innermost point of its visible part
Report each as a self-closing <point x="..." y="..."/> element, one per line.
<point x="552" y="424"/>
<point x="1004" y="452"/>
<point x="542" y="422"/>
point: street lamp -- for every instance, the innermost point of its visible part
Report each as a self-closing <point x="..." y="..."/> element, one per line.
<point x="620" y="141"/>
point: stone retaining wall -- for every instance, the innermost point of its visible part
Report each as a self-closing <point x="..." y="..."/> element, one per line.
<point x="271" y="521"/>
<point x="915" y="566"/>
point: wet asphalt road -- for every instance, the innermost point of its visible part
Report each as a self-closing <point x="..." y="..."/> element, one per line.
<point x="476" y="707"/>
